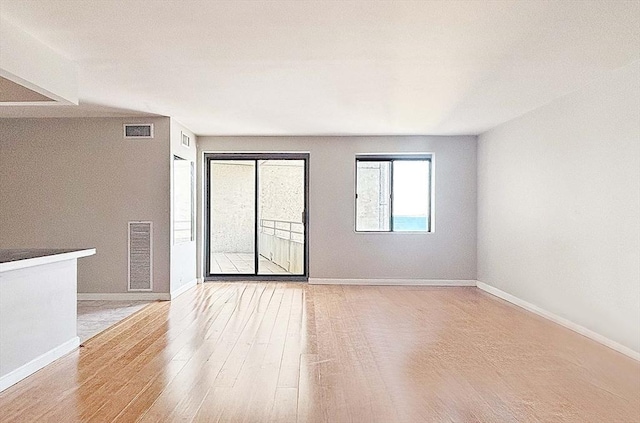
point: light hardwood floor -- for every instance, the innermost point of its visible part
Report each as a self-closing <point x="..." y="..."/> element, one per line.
<point x="266" y="352"/>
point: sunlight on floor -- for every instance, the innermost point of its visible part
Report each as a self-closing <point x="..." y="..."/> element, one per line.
<point x="96" y="316"/>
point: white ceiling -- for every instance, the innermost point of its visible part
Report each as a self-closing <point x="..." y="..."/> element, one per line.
<point x="328" y="67"/>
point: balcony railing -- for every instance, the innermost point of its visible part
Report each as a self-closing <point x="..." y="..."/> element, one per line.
<point x="282" y="242"/>
<point x="283" y="229"/>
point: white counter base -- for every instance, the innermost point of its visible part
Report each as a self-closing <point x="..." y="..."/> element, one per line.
<point x="38" y="313"/>
<point x="38" y="363"/>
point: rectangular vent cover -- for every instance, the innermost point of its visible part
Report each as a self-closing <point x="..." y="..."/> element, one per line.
<point x="140" y="256"/>
<point x="144" y="130"/>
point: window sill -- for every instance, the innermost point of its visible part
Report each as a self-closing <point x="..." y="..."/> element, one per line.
<point x="394" y="233"/>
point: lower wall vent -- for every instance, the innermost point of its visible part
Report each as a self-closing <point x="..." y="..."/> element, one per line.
<point x="140" y="256"/>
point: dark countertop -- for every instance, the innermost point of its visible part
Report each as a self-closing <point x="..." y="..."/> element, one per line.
<point x="10" y="255"/>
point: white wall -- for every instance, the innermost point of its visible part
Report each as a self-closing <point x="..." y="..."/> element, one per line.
<point x="233" y="207"/>
<point x="281" y="194"/>
<point x="559" y="207"/>
<point x="336" y="251"/>
<point x="183" y="254"/>
<point x="74" y="183"/>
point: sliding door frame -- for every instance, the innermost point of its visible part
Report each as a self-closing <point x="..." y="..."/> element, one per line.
<point x="208" y="158"/>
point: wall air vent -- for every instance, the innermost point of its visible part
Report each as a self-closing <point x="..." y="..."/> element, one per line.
<point x="138" y="130"/>
<point x="140" y="256"/>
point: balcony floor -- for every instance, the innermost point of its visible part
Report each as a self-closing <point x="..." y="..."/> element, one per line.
<point x="239" y="263"/>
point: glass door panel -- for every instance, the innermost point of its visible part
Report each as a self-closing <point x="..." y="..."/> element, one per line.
<point x="281" y="217"/>
<point x="232" y="199"/>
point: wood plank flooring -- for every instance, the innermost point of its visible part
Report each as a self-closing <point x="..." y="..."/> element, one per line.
<point x="267" y="352"/>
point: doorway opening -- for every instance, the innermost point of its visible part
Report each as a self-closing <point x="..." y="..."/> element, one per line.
<point x="256" y="222"/>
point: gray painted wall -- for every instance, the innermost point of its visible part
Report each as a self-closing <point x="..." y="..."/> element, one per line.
<point x="76" y="183"/>
<point x="336" y="250"/>
<point x="559" y="207"/>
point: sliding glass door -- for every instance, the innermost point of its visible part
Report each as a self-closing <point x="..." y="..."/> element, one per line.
<point x="256" y="216"/>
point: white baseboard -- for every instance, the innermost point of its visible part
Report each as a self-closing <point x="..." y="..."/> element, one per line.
<point x="396" y="282"/>
<point x="38" y="363"/>
<point x="560" y="320"/>
<point x="125" y="296"/>
<point x="184" y="288"/>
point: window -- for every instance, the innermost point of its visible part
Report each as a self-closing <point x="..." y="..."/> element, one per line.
<point x="393" y="193"/>
<point x="183" y="200"/>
